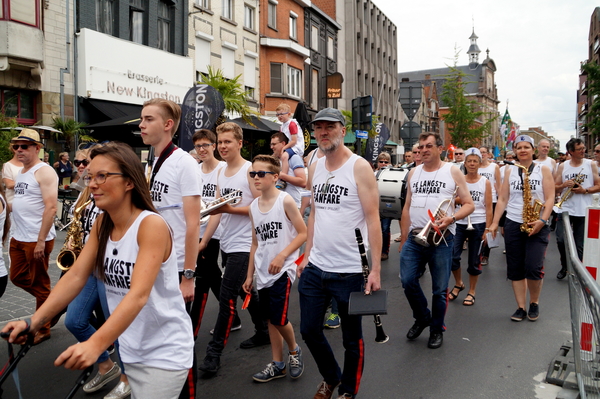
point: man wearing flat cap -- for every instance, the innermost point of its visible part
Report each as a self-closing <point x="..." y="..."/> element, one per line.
<point x="345" y="197"/>
<point x="34" y="207"/>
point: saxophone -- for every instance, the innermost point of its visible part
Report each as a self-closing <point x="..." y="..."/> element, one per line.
<point x="531" y="212"/>
<point x="66" y="257"/>
<point x="569" y="192"/>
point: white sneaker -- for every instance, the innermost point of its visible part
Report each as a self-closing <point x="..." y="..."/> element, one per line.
<point x="121" y="391"/>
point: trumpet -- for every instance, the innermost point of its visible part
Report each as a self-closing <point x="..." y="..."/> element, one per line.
<point x="206" y="208"/>
<point x="422" y="237"/>
<point x="569" y="192"/>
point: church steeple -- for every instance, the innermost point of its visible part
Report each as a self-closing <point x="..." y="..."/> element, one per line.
<point x="473" y="49"/>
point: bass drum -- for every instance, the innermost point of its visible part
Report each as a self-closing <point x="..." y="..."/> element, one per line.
<point x="389" y="182"/>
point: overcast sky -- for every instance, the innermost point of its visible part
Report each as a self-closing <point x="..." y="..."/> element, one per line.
<point x="537" y="46"/>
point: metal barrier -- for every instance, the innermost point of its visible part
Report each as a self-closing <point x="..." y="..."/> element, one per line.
<point x="584" y="295"/>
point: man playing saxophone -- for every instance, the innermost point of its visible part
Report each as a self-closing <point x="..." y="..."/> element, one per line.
<point x="575" y="180"/>
<point x="430" y="184"/>
<point x="526" y="231"/>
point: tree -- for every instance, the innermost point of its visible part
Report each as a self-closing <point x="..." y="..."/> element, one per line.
<point x="232" y="91"/>
<point x="6" y="136"/>
<point x="593" y="116"/>
<point x="70" y="130"/>
<point x="462" y="115"/>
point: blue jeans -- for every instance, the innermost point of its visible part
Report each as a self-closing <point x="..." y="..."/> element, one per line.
<point x="79" y="313"/>
<point x="440" y="260"/>
<point x="386" y="235"/>
<point x="236" y="268"/>
<point x="316" y="289"/>
<point x="474" y="236"/>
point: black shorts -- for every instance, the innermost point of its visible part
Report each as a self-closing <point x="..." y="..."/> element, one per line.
<point x="524" y="255"/>
<point x="274" y="301"/>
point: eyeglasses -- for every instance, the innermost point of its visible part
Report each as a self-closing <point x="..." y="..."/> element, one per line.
<point x="100" y="177"/>
<point x="83" y="162"/>
<point x="205" y="146"/>
<point x="23" y="146"/>
<point x="386" y="162"/>
<point x="282" y="113"/>
<point x="260" y="173"/>
<point x="428" y="146"/>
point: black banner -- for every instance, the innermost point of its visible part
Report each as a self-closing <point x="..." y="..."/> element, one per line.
<point x="375" y="145"/>
<point x="202" y="106"/>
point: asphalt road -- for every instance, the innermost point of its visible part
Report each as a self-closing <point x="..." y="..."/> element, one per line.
<point x="485" y="354"/>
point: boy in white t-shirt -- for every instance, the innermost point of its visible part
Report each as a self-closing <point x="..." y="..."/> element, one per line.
<point x="278" y="230"/>
<point x="293" y="132"/>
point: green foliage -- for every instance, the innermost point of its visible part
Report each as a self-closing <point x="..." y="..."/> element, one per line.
<point x="70" y="130"/>
<point x="460" y="120"/>
<point x="348" y="116"/>
<point x="593" y="115"/>
<point x="6" y="136"/>
<point x="232" y="91"/>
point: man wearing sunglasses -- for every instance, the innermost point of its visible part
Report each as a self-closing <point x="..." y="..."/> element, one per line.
<point x="345" y="197"/>
<point x="429" y="184"/>
<point x="34" y="207"/>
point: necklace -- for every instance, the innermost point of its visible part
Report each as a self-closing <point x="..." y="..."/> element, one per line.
<point x="115" y="251"/>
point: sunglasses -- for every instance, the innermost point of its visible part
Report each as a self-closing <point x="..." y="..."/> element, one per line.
<point x="260" y="173"/>
<point x="282" y="113"/>
<point x="596" y="151"/>
<point x="459" y="153"/>
<point x="23" y="146"/>
<point x="428" y="146"/>
<point x="83" y="162"/>
<point x="383" y="162"/>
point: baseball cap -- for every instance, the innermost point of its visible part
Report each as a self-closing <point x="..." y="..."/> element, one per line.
<point x="526" y="138"/>
<point x="473" y="151"/>
<point x="28" y="135"/>
<point x="331" y="115"/>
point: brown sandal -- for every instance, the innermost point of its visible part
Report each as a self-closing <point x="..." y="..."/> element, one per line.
<point x="469" y="302"/>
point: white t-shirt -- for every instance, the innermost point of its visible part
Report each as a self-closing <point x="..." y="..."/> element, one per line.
<point x="338" y="211"/>
<point x="514" y="207"/>
<point x="10" y="171"/>
<point x="161" y="334"/>
<point x="285" y="129"/>
<point x="428" y="190"/>
<point x="295" y="162"/>
<point x="477" y="191"/>
<point x="274" y="232"/>
<point x="178" y="177"/>
<point x="209" y="193"/>
<point x="578" y="203"/>
<point x="237" y="229"/>
<point x="28" y="206"/>
<point x="489" y="173"/>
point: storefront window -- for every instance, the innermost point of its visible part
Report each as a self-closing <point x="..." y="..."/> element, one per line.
<point x="19" y="104"/>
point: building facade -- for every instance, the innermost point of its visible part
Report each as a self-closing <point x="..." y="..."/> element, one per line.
<point x="368" y="55"/>
<point x="480" y="87"/>
<point x="584" y="101"/>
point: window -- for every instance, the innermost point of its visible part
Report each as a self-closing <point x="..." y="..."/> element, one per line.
<point x="249" y="17"/>
<point x="164" y="26"/>
<point x="136" y="22"/>
<point x="105" y="16"/>
<point x="294" y="82"/>
<point x="272" y="14"/>
<point x="203" y="4"/>
<point x="202" y="55"/>
<point x="276" y="78"/>
<point x="227" y="9"/>
<point x="19" y="104"/>
<point x="228" y="62"/>
<point x="249" y="92"/>
<point x="293" y="26"/>
<point x="314" y="37"/>
<point x="330" y="46"/>
<point x="249" y="72"/>
<point x="314" y="95"/>
<point x="24" y="11"/>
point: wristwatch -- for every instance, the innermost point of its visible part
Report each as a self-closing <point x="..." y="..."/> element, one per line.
<point x="189" y="273"/>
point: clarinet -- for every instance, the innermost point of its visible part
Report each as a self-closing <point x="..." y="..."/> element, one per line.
<point x="380" y="336"/>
